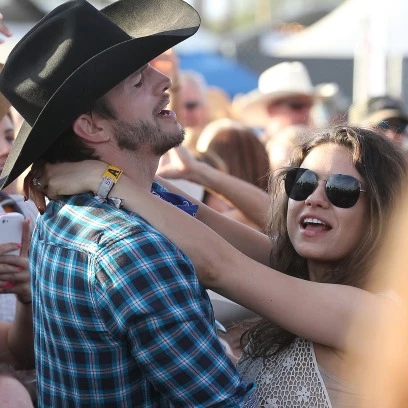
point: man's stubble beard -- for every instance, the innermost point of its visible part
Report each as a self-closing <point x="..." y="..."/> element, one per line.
<point x="130" y="136"/>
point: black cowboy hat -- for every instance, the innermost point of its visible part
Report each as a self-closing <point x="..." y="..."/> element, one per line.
<point x="76" y="54"/>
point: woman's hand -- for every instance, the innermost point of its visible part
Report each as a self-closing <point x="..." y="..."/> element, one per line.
<point x="179" y="162"/>
<point x="14" y="271"/>
<point x="53" y="180"/>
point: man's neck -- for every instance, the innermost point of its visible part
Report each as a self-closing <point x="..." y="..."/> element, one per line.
<point x="140" y="166"/>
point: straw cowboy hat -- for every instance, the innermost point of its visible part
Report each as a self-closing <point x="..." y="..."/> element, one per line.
<point x="73" y="56"/>
<point x="280" y="81"/>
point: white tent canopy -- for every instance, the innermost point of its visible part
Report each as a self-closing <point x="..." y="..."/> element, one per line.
<point x="339" y="33"/>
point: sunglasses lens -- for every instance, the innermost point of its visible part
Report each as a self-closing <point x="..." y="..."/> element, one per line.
<point x="342" y="191"/>
<point x="300" y="183"/>
<point x="396" y="125"/>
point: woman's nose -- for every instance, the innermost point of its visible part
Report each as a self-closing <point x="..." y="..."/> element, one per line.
<point x="318" y="198"/>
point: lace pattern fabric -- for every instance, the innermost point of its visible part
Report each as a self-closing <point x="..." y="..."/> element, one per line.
<point x="289" y="379"/>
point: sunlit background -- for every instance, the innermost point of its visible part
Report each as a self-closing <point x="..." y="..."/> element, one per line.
<point x="357" y="44"/>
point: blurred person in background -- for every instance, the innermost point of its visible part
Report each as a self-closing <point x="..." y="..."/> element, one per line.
<point x="194" y="108"/>
<point x="280" y="148"/>
<point x="210" y="171"/>
<point x="285" y="97"/>
<point x="16" y="332"/>
<point x="15" y="290"/>
<point x="385" y="113"/>
<point x="218" y="104"/>
<point x="10" y="201"/>
<point x="16" y="337"/>
<point x="331" y="105"/>
<point x="244" y="156"/>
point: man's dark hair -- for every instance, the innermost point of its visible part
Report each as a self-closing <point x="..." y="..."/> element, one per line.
<point x="69" y="147"/>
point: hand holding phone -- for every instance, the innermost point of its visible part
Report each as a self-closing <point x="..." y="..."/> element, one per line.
<point x="11" y="230"/>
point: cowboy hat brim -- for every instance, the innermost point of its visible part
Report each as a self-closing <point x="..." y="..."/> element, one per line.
<point x="91" y="81"/>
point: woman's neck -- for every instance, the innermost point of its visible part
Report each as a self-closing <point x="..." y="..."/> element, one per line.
<point x="317" y="270"/>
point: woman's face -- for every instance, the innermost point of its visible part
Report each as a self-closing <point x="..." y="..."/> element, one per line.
<point x="330" y="233"/>
<point x="6" y="139"/>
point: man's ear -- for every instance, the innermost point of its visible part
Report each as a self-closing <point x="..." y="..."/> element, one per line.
<point x="90" y="128"/>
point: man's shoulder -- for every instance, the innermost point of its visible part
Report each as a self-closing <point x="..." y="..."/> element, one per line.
<point x="82" y="219"/>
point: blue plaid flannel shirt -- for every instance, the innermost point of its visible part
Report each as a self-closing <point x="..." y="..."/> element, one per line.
<point x="120" y="317"/>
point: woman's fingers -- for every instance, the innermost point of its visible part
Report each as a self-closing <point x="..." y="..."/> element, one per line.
<point x="26" y="185"/>
<point x="12" y="246"/>
<point x="35" y="191"/>
<point x="13" y="260"/>
<point x="26" y="239"/>
<point x="21" y="289"/>
<point x="15" y="276"/>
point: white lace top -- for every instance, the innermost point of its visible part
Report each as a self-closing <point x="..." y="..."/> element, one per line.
<point x="289" y="379"/>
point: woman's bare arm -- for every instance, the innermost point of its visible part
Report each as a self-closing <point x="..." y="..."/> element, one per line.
<point x="323" y="313"/>
<point x="249" y="199"/>
<point x="251" y="242"/>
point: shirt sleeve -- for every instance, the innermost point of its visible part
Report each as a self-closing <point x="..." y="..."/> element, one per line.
<point x="154" y="300"/>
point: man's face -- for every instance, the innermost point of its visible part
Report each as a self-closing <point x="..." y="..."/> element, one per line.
<point x="141" y="119"/>
<point x="293" y="110"/>
<point x="394" y="128"/>
<point x="131" y="136"/>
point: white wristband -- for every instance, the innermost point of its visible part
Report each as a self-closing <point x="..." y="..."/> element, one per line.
<point x="110" y="177"/>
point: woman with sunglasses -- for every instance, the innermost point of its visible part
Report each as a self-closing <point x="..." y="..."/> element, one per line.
<point x="310" y="280"/>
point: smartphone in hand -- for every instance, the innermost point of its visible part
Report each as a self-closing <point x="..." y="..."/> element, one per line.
<point x="11" y="230"/>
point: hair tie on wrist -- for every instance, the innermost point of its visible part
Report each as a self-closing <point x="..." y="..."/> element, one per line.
<point x="109" y="178"/>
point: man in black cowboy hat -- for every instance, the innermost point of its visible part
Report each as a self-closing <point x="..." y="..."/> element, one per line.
<point x="120" y="318"/>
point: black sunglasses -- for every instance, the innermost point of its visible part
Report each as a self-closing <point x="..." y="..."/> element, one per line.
<point x="397" y="125"/>
<point x="342" y="190"/>
<point x="294" y="104"/>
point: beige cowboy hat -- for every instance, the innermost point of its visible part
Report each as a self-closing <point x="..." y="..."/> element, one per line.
<point x="277" y="82"/>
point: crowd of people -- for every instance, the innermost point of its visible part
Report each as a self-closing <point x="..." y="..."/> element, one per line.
<point x="184" y="249"/>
